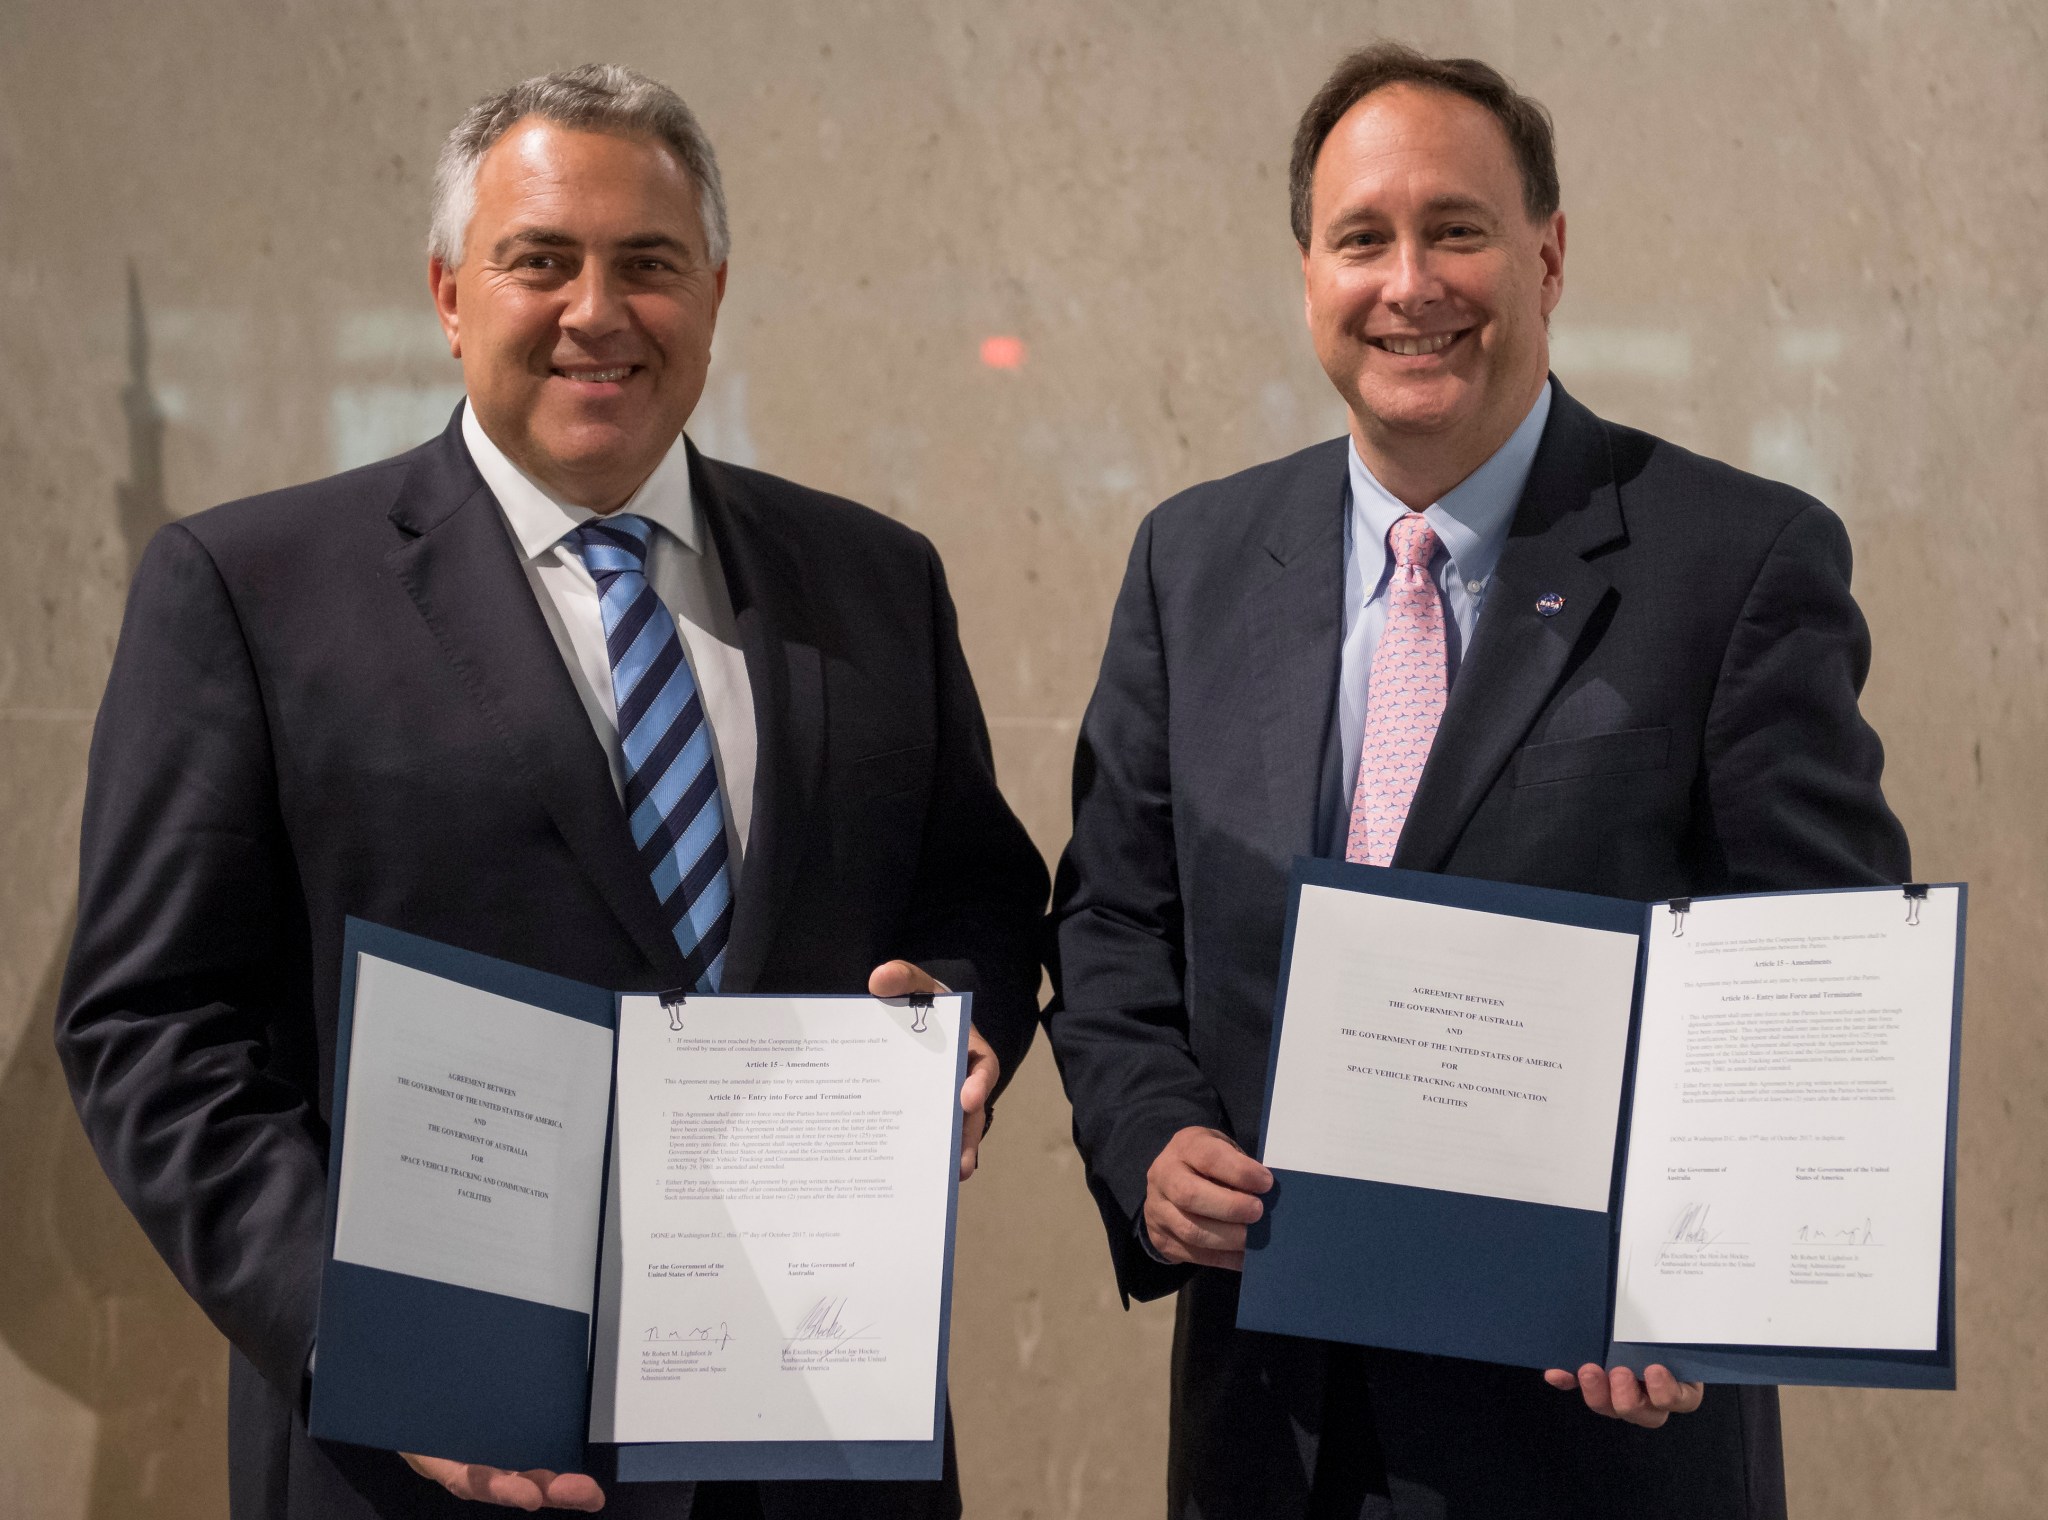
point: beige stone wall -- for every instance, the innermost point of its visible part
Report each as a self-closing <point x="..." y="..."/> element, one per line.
<point x="1803" y="238"/>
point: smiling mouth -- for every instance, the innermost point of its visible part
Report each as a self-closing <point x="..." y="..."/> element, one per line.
<point x="596" y="376"/>
<point x="1418" y="346"/>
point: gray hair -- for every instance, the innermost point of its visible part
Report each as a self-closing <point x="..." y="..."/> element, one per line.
<point x="597" y="97"/>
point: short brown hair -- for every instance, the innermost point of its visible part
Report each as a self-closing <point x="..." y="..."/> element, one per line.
<point x="1375" y="67"/>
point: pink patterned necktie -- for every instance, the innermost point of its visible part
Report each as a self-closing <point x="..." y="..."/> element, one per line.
<point x="1405" y="699"/>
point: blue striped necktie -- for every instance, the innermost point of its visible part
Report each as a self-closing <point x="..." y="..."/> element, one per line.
<point x="672" y="801"/>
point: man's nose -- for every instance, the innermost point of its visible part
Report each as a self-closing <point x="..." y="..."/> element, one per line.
<point x="1412" y="283"/>
<point x="597" y="305"/>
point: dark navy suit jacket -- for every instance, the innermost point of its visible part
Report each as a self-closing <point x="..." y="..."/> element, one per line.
<point x="1686" y="724"/>
<point x="343" y="699"/>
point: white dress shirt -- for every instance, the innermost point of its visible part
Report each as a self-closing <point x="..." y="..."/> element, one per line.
<point x="1471" y="524"/>
<point x="683" y="569"/>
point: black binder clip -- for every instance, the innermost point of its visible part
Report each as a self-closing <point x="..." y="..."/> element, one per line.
<point x="1916" y="894"/>
<point x="920" y="1010"/>
<point x="672" y="1003"/>
<point x="1679" y="906"/>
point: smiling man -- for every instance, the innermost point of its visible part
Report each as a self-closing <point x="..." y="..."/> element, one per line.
<point x="1487" y="634"/>
<point x="553" y="687"/>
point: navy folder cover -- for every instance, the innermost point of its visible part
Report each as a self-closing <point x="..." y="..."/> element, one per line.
<point x="1499" y="1280"/>
<point x="407" y="1364"/>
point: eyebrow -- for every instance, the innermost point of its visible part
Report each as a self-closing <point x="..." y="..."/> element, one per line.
<point x="654" y="240"/>
<point x="535" y="237"/>
<point x="1440" y="205"/>
<point x="1467" y="203"/>
<point x="551" y="237"/>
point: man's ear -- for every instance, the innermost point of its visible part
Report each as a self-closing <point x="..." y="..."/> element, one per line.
<point x="1552" y="254"/>
<point x="441" y="282"/>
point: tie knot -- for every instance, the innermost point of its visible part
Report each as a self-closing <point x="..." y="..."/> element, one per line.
<point x="1413" y="541"/>
<point x="611" y="545"/>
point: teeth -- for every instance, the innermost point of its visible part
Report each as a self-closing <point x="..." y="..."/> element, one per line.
<point x="597" y="375"/>
<point x="1414" y="346"/>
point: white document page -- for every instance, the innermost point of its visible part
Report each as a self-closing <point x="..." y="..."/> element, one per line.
<point x="473" y="1138"/>
<point x="775" y="1253"/>
<point x="1790" y="1124"/>
<point x="1447" y="1048"/>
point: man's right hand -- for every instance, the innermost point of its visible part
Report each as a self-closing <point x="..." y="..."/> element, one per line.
<point x="538" y="1489"/>
<point x="1199" y="1196"/>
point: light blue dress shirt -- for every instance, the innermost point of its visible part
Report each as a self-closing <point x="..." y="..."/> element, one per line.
<point x="1471" y="524"/>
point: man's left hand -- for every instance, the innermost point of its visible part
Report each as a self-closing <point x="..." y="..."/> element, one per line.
<point x="900" y="979"/>
<point x="1620" y="1395"/>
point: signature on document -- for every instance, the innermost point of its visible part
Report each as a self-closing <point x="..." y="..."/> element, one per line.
<point x="1844" y="1235"/>
<point x="1690" y="1227"/>
<point x="823" y="1332"/>
<point x="717" y="1336"/>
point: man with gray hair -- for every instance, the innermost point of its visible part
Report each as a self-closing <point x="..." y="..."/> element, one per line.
<point x="553" y="687"/>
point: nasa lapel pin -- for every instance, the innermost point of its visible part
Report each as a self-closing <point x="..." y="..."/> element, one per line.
<point x="1550" y="604"/>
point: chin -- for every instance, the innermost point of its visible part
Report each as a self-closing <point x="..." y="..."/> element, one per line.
<point x="590" y="444"/>
<point x="1402" y="411"/>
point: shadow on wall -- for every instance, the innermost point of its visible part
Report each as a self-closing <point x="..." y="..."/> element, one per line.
<point x="85" y="1302"/>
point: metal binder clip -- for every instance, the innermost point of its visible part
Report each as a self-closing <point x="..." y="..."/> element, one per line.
<point x="1679" y="906"/>
<point x="672" y="1003"/>
<point x="1916" y="894"/>
<point x="920" y="1010"/>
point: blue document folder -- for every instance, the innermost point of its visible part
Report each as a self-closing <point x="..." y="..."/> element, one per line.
<point x="408" y="1363"/>
<point x="1497" y="1279"/>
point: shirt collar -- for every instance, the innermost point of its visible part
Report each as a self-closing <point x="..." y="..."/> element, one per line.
<point x="539" y="517"/>
<point x="1471" y="521"/>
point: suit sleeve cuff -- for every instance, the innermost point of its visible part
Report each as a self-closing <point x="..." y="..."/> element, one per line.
<point x="1145" y="1241"/>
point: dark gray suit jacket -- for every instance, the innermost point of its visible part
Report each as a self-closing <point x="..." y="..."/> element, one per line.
<point x="1686" y="724"/>
<point x="343" y="698"/>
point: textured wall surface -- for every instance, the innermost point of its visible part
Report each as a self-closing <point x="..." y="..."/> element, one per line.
<point x="1806" y="239"/>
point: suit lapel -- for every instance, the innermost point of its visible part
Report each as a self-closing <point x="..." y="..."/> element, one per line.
<point x="1569" y="508"/>
<point x="460" y="569"/>
<point x="1297" y="625"/>
<point x="786" y="674"/>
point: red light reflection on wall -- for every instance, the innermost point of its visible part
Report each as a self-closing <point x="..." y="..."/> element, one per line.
<point x="1002" y="352"/>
